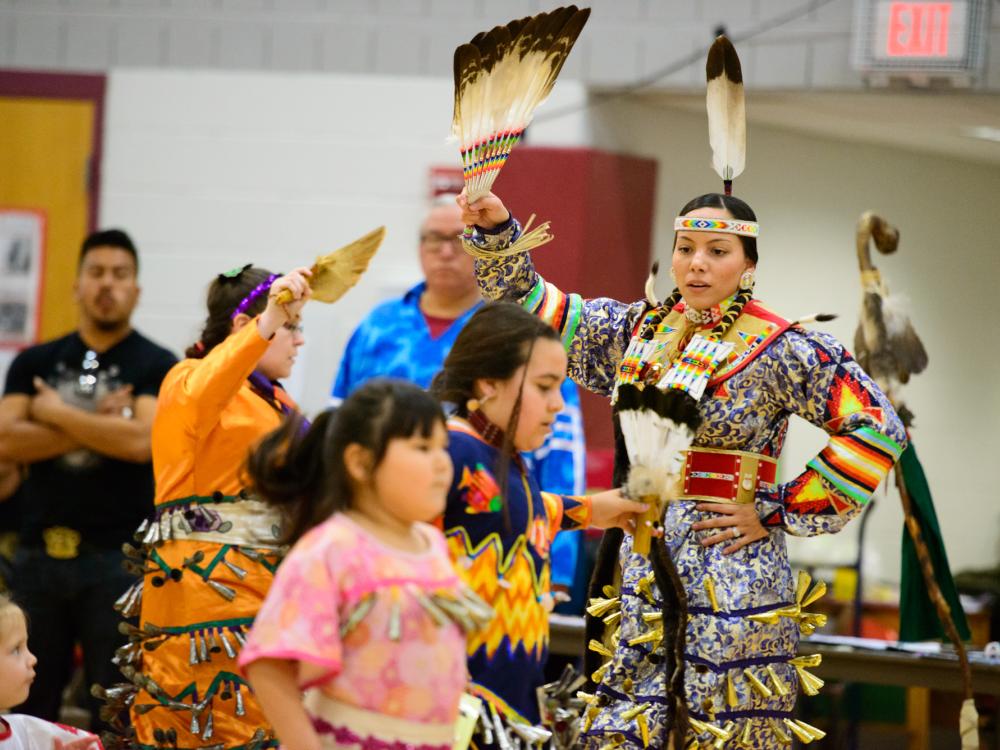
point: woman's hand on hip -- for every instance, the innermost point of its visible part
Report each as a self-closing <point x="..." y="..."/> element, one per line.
<point x="737" y="524"/>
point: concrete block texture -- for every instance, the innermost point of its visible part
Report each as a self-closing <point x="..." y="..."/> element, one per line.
<point x="788" y="44"/>
<point x="244" y="46"/>
<point x="89" y="44"/>
<point x="295" y="46"/>
<point x="38" y="41"/>
<point x="137" y="43"/>
<point x="776" y="66"/>
<point x="191" y="43"/>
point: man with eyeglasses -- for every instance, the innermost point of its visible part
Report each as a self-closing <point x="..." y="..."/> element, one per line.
<point x="410" y="337"/>
<point x="77" y="413"/>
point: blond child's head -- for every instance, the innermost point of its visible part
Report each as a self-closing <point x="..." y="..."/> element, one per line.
<point x="17" y="663"/>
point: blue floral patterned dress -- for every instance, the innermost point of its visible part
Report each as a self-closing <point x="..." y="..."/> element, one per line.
<point x="730" y="622"/>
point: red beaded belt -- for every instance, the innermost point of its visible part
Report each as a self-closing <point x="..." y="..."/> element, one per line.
<point x="719" y="476"/>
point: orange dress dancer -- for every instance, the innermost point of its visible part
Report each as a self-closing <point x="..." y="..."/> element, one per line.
<point x="210" y="554"/>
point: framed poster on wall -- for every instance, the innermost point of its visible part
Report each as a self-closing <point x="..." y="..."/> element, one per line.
<point x="22" y="268"/>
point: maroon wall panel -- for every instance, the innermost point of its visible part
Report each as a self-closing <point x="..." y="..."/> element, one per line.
<point x="601" y="208"/>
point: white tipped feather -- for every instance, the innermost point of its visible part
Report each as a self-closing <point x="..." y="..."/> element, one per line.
<point x="650" y="288"/>
<point x="727" y="127"/>
<point x="814" y="318"/>
<point x="501" y="77"/>
<point x="654" y="441"/>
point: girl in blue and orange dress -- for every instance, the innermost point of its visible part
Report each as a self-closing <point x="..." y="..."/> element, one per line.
<point x="503" y="376"/>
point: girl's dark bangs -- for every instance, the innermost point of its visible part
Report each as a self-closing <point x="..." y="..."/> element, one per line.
<point x="412" y="415"/>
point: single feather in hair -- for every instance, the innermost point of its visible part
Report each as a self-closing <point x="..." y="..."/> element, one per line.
<point x="650" y="288"/>
<point x="727" y="127"/>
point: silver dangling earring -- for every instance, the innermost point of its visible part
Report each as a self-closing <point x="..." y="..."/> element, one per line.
<point x="747" y="280"/>
<point x="673" y="276"/>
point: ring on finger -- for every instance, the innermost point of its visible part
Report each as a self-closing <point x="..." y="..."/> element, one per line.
<point x="736" y="532"/>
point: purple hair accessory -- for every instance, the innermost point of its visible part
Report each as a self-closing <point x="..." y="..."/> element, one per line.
<point x="254" y="294"/>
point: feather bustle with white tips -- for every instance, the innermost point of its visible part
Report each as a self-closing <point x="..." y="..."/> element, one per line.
<point x="501" y="77"/>
<point x="657" y="426"/>
<point x="727" y="126"/>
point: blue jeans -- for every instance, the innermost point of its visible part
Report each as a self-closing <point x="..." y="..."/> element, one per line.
<point x="69" y="601"/>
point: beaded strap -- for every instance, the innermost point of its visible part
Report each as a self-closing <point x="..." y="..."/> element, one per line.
<point x="254" y="294"/>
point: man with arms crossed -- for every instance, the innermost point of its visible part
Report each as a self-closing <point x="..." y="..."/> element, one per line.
<point x="76" y="413"/>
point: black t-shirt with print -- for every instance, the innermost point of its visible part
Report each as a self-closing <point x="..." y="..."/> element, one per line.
<point x="103" y="498"/>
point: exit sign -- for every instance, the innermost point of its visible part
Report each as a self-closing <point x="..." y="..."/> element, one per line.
<point x="921" y="30"/>
<point x="931" y="38"/>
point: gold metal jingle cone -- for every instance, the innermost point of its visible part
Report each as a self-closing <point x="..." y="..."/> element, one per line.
<point x="732" y="699"/>
<point x="816" y="732"/>
<point x="710" y="591"/>
<point x="763" y="690"/>
<point x="598" y="607"/>
<point x="810" y="683"/>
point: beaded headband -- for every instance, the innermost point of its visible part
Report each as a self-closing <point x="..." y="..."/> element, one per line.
<point x="254" y="294"/>
<point x="727" y="226"/>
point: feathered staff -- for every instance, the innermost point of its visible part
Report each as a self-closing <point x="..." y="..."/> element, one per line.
<point x="889" y="350"/>
<point x="727" y="125"/>
<point x="501" y="77"/>
<point x="333" y="274"/>
<point x="885" y="344"/>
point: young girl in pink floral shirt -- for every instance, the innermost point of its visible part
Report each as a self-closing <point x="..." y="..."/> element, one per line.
<point x="360" y="641"/>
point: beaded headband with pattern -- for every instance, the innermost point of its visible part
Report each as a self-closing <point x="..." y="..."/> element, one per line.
<point x="726" y="226"/>
<point x="254" y="294"/>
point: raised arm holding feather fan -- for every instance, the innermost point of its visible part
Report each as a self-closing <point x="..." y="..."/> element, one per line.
<point x="695" y="643"/>
<point x="501" y="77"/>
<point x="209" y="553"/>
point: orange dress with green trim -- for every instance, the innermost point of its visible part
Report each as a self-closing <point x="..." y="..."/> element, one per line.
<point x="210" y="553"/>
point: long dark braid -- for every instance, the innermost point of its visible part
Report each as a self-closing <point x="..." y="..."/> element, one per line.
<point x="731" y="314"/>
<point x="667" y="578"/>
<point x="660" y="313"/>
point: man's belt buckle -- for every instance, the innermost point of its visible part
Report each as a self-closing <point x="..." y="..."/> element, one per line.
<point x="8" y="545"/>
<point x="61" y="543"/>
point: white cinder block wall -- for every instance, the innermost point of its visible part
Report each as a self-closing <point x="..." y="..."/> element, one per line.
<point x="212" y="170"/>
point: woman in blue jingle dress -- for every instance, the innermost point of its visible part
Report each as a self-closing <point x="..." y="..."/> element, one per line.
<point x="716" y="596"/>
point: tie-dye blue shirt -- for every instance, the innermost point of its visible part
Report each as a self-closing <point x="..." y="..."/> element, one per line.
<point x="395" y="341"/>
